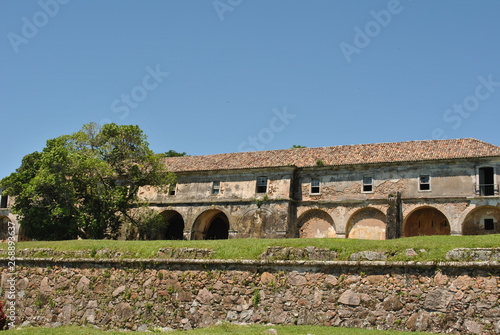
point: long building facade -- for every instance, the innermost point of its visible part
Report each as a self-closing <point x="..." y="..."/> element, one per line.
<point x="369" y="191"/>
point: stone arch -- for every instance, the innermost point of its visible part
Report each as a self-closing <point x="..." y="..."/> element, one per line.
<point x="4" y="227"/>
<point x="316" y="223"/>
<point x="212" y="224"/>
<point x="366" y="223"/>
<point x="426" y="220"/>
<point x="257" y="223"/>
<point x="174" y="225"/>
<point x="154" y="225"/>
<point x="482" y="220"/>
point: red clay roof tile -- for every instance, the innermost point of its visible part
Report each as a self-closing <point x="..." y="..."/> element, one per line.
<point x="338" y="155"/>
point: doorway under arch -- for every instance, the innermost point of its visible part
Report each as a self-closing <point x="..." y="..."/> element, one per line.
<point x="212" y="224"/>
<point x="174" y="229"/>
<point x="426" y="221"/>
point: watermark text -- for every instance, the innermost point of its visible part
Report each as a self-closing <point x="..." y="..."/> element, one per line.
<point x="30" y="27"/>
<point x="127" y="101"/>
<point x="458" y="112"/>
<point x="363" y="36"/>
<point x="266" y="135"/>
<point x="10" y="306"/>
<point x="223" y="6"/>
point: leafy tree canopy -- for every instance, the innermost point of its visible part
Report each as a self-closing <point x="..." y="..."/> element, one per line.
<point x="295" y="146"/>
<point x="173" y="153"/>
<point x="84" y="184"/>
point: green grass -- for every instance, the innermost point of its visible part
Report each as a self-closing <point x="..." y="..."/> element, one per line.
<point x="217" y="330"/>
<point x="436" y="246"/>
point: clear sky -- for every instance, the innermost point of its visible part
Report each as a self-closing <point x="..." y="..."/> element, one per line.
<point x="206" y="77"/>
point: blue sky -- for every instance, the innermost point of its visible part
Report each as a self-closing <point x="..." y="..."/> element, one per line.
<point x="216" y="76"/>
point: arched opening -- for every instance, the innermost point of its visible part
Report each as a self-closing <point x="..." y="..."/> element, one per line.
<point x="426" y="221"/>
<point x="151" y="225"/>
<point x="4" y="228"/>
<point x="367" y="224"/>
<point x="481" y="221"/>
<point x="174" y="226"/>
<point x="316" y="223"/>
<point x="211" y="225"/>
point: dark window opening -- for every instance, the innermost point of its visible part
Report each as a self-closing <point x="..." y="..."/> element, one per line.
<point x="171" y="189"/>
<point x="315" y="186"/>
<point x="489" y="224"/>
<point x="486" y="181"/>
<point x="425" y="183"/>
<point x="3" y="201"/>
<point x="216" y="187"/>
<point x="367" y="184"/>
<point x="261" y="184"/>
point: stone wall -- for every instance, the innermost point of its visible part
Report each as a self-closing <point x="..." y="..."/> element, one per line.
<point x="183" y="294"/>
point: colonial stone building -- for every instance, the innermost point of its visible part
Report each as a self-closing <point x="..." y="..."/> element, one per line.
<point x="370" y="191"/>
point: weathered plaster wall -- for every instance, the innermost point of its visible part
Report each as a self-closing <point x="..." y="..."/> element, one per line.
<point x="345" y="184"/>
<point x="367" y="223"/>
<point x="316" y="224"/>
<point x="235" y="185"/>
<point x="143" y="295"/>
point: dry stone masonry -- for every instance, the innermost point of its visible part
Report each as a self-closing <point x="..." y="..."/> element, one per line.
<point x="452" y="297"/>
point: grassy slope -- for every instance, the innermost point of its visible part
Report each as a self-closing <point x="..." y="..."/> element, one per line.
<point x="436" y="246"/>
<point x="224" y="329"/>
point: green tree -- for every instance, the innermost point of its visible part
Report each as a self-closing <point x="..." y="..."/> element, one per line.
<point x="173" y="153"/>
<point x="84" y="184"/>
<point x="295" y="146"/>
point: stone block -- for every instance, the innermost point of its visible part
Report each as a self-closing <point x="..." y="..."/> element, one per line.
<point x="438" y="300"/>
<point x="350" y="297"/>
<point x="392" y="303"/>
<point x="296" y="279"/>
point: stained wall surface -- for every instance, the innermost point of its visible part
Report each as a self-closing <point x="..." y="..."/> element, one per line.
<point x="340" y="203"/>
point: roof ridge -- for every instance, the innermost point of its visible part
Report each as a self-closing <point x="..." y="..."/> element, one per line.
<point x="335" y="146"/>
<point x="340" y="155"/>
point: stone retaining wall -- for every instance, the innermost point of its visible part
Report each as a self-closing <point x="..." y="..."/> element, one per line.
<point x="184" y="294"/>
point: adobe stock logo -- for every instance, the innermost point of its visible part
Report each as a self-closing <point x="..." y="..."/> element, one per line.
<point x="363" y="37"/>
<point x="266" y="135"/>
<point x="470" y="104"/>
<point x="127" y="101"/>
<point x="30" y="28"/>
<point x="222" y="6"/>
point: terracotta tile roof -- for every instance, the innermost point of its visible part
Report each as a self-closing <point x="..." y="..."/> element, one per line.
<point x="338" y="155"/>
